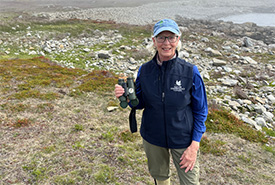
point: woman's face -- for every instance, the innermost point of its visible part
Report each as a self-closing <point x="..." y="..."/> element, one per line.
<point x="166" y="50"/>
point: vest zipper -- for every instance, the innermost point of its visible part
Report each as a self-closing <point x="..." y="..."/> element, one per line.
<point x="163" y="75"/>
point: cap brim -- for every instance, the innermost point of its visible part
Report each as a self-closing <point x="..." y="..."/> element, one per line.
<point x="166" y="29"/>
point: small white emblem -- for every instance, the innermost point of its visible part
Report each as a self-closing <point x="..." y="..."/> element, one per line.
<point x="177" y="87"/>
<point x="178" y="82"/>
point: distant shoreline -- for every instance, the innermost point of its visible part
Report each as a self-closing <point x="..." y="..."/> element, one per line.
<point x="140" y="11"/>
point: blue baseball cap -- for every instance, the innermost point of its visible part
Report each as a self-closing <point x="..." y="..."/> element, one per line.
<point x="166" y="25"/>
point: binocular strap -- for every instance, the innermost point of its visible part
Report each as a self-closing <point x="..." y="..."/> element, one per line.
<point x="132" y="120"/>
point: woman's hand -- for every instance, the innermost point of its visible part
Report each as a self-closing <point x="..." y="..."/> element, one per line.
<point x="189" y="157"/>
<point x="119" y="90"/>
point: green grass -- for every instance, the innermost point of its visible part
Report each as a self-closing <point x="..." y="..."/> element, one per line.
<point x="105" y="174"/>
<point x="269" y="131"/>
<point x="214" y="147"/>
<point x="244" y="159"/>
<point x="24" y="78"/>
<point x="14" y="107"/>
<point x="269" y="149"/>
<point x="35" y="171"/>
<point x="98" y="81"/>
<point x="78" y="127"/>
<point x="221" y="121"/>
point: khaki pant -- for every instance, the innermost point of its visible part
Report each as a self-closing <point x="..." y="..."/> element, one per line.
<point x="159" y="160"/>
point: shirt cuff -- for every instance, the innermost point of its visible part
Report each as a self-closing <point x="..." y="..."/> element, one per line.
<point x="197" y="136"/>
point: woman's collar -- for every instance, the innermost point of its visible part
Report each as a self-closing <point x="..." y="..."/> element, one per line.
<point x="159" y="62"/>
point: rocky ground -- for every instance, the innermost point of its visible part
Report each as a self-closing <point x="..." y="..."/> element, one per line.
<point x="238" y="69"/>
<point x="237" y="63"/>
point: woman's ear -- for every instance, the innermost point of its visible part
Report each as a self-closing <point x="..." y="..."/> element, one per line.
<point x="154" y="40"/>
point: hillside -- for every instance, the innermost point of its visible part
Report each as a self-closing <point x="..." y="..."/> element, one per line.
<point x="57" y="81"/>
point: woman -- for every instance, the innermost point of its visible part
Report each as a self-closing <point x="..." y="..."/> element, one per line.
<point x="172" y="94"/>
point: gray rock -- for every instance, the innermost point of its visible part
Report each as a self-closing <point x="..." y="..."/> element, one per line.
<point x="227" y="69"/>
<point x="213" y="53"/>
<point x="184" y="54"/>
<point x="251" y="122"/>
<point x="205" y="75"/>
<point x="229" y="82"/>
<point x="259" y="108"/>
<point x="112" y="108"/>
<point x="262" y="101"/>
<point x="247" y="42"/>
<point x="271" y="98"/>
<point x="234" y="105"/>
<point x="249" y="60"/>
<point x="248" y="102"/>
<point x="228" y="48"/>
<point x="104" y="55"/>
<point x="237" y="71"/>
<point x="132" y="61"/>
<point x="133" y="67"/>
<point x="260" y="121"/>
<point x="205" y="39"/>
<point x="48" y="50"/>
<point x="218" y="62"/>
<point x="268" y="116"/>
<point x="240" y="93"/>
<point x="269" y="67"/>
<point x="32" y="53"/>
<point x="87" y="50"/>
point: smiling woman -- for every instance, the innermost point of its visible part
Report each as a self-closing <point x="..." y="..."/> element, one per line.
<point x="172" y="94"/>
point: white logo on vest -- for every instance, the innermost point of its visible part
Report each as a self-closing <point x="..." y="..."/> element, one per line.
<point x="177" y="87"/>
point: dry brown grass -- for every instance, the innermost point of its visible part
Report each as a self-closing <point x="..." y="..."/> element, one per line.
<point x="75" y="140"/>
<point x="51" y="150"/>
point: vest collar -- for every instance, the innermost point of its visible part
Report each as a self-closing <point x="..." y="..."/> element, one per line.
<point x="156" y="59"/>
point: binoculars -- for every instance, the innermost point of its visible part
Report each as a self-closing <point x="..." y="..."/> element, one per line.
<point x="129" y="92"/>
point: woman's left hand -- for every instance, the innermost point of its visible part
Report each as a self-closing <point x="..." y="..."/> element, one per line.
<point x="189" y="157"/>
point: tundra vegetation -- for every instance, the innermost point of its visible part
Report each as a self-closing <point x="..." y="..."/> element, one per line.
<point x="55" y="127"/>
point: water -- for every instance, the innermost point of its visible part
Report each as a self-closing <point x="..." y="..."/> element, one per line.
<point x="197" y="9"/>
<point x="261" y="19"/>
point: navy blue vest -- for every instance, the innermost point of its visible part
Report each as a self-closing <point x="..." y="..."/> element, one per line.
<point x="166" y="92"/>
